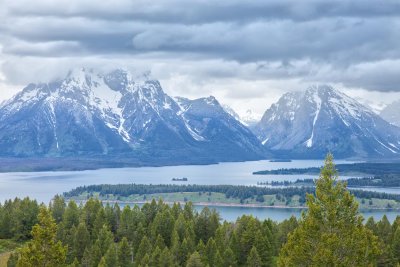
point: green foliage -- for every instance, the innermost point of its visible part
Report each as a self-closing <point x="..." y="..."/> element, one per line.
<point x="43" y="249"/>
<point x="12" y="260"/>
<point x="194" y="260"/>
<point x="124" y="253"/>
<point x="17" y="218"/>
<point x="253" y="260"/>
<point x="331" y="232"/>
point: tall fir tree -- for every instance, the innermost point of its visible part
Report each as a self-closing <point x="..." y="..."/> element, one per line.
<point x="124" y="253"/>
<point x="253" y="260"/>
<point x="331" y="232"/>
<point x="43" y="250"/>
<point x="194" y="260"/>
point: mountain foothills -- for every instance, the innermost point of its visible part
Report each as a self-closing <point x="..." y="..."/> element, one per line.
<point x="310" y="123"/>
<point x="92" y="114"/>
<point x="118" y="115"/>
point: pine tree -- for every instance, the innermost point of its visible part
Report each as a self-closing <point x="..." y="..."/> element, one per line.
<point x="194" y="260"/>
<point x="144" y="248"/>
<point x="396" y="245"/>
<point x="166" y="259"/>
<point x="75" y="263"/>
<point x="229" y="258"/>
<point x="111" y="256"/>
<point x="43" y="249"/>
<point x="253" y="260"/>
<point x="57" y="207"/>
<point x="331" y="232"/>
<point x="81" y="241"/>
<point x="124" y="253"/>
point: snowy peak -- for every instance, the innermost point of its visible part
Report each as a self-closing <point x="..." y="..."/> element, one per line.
<point x="322" y="119"/>
<point x="391" y="113"/>
<point x="113" y="113"/>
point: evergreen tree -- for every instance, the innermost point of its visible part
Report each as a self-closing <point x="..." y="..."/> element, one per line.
<point x="229" y="258"/>
<point x="111" y="256"/>
<point x="75" y="263"/>
<point x="43" y="249"/>
<point x="95" y="254"/>
<point x="166" y="259"/>
<point x="103" y="263"/>
<point x="86" y="258"/>
<point x="145" y="260"/>
<point x="396" y="245"/>
<point x="159" y="242"/>
<point x="144" y="248"/>
<point x="124" y="253"/>
<point x="57" y="207"/>
<point x="194" y="260"/>
<point x="331" y="232"/>
<point x="81" y="241"/>
<point x="253" y="260"/>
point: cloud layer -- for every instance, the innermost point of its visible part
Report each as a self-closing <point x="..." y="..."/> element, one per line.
<point x="238" y="50"/>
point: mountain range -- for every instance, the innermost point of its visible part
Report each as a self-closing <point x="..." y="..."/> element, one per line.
<point x="116" y="114"/>
<point x="121" y="116"/>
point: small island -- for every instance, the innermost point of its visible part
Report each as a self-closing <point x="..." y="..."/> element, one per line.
<point x="184" y="179"/>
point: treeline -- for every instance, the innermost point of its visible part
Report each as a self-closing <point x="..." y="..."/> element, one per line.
<point x="374" y="169"/>
<point x="231" y="191"/>
<point x="386" y="180"/>
<point x="155" y="235"/>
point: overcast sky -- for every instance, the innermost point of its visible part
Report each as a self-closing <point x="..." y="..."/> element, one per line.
<point x="246" y="53"/>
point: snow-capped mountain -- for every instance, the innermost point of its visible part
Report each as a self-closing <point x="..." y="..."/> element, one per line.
<point x="208" y="120"/>
<point x="231" y="111"/>
<point x="249" y="119"/>
<point x="321" y="119"/>
<point x="89" y="113"/>
<point x="391" y="113"/>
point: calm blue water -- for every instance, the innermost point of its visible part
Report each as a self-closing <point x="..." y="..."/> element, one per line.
<point x="44" y="185"/>
<point x="278" y="214"/>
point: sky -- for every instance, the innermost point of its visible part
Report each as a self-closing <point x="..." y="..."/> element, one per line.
<point x="245" y="53"/>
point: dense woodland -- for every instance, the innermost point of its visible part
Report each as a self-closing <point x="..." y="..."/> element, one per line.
<point x="161" y="235"/>
<point x="369" y="168"/>
<point x="386" y="180"/>
<point x="330" y="233"/>
<point x="235" y="191"/>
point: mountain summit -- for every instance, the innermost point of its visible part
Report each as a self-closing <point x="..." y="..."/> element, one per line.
<point x="321" y="119"/>
<point x="110" y="114"/>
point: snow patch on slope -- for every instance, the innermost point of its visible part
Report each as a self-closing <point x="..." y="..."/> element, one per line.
<point x="318" y="102"/>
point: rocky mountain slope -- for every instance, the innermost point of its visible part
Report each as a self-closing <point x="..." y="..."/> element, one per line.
<point x="321" y="119"/>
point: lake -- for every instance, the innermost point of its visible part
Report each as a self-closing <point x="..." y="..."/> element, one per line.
<point x="44" y="185"/>
<point x="278" y="214"/>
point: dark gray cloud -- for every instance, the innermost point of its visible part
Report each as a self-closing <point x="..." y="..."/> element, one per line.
<point x="352" y="43"/>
